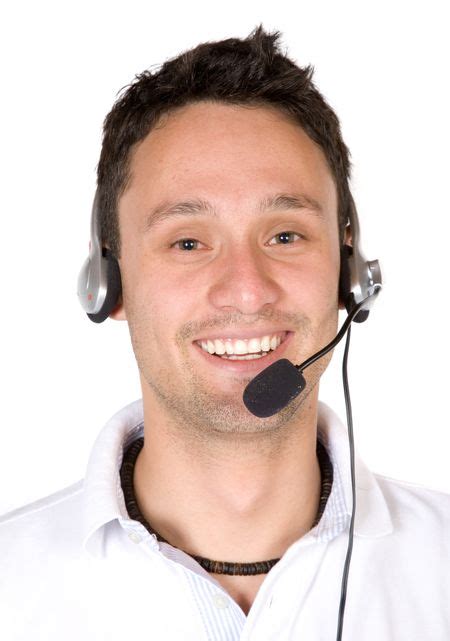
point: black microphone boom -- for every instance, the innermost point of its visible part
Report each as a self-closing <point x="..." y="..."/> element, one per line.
<point x="277" y="385"/>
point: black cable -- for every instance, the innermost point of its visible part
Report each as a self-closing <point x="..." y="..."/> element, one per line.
<point x="348" y="407"/>
<point x="345" y="326"/>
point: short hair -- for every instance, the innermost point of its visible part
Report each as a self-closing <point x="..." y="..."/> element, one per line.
<point x="250" y="71"/>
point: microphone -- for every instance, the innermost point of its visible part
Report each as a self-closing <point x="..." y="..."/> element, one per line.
<point x="278" y="384"/>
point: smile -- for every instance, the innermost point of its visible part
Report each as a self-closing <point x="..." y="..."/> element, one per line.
<point x="242" y="348"/>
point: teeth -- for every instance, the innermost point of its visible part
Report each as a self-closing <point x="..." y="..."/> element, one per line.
<point x="246" y="357"/>
<point x="219" y="345"/>
<point x="254" y="346"/>
<point x="229" y="347"/>
<point x="239" y="347"/>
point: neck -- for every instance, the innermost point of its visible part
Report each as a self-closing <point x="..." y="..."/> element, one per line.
<point x="241" y="497"/>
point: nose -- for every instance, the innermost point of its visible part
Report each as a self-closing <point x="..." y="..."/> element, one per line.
<point x="244" y="282"/>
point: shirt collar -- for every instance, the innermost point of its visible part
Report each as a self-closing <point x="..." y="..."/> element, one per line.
<point x="103" y="495"/>
<point x="372" y="517"/>
<point x="103" y="499"/>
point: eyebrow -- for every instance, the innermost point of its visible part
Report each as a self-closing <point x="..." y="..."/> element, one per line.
<point x="198" y="206"/>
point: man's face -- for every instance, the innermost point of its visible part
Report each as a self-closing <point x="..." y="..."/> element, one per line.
<point x="249" y="248"/>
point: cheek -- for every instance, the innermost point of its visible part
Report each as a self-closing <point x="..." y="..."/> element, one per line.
<point x="311" y="283"/>
<point x="315" y="293"/>
<point x="157" y="303"/>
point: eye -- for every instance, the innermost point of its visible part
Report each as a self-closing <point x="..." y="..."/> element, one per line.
<point x="186" y="244"/>
<point x="284" y="238"/>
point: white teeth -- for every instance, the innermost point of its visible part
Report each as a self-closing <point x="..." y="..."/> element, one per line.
<point x="246" y="357"/>
<point x="229" y="347"/>
<point x="219" y="345"/>
<point x="254" y="346"/>
<point x="242" y="347"/>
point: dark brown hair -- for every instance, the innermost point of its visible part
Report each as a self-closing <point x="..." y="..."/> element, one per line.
<point x="250" y="71"/>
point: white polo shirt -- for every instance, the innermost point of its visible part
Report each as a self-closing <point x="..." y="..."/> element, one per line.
<point x="75" y="567"/>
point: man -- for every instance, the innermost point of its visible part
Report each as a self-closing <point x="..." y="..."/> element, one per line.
<point x="223" y="194"/>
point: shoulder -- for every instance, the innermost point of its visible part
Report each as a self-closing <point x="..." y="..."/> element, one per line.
<point x="419" y="510"/>
<point x="43" y="523"/>
<point x="57" y="500"/>
<point x="412" y="495"/>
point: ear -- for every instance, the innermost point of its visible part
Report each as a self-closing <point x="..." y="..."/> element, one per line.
<point x="348" y="240"/>
<point x="344" y="276"/>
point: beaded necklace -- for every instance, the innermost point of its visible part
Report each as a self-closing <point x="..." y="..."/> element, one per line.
<point x="217" y="567"/>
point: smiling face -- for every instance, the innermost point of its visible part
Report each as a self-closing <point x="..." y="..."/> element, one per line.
<point x="230" y="260"/>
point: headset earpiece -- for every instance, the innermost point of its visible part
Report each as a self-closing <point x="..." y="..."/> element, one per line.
<point x="346" y="296"/>
<point x="99" y="282"/>
<point x="113" y="287"/>
<point x="344" y="275"/>
<point x="359" y="278"/>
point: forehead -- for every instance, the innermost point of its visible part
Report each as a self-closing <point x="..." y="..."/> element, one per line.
<point x="226" y="152"/>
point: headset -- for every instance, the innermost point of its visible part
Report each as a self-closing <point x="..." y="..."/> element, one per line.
<point x="100" y="286"/>
<point x="99" y="282"/>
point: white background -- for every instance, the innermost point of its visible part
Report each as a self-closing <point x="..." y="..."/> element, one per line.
<point x="382" y="66"/>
